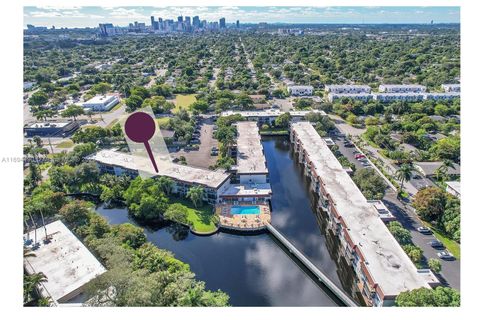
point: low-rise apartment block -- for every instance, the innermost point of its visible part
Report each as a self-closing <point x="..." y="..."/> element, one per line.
<point x="382" y="268"/>
<point x="118" y="163"/>
<point x="332" y="97"/>
<point x="300" y="90"/>
<point x="451" y="87"/>
<point x="347" y="88"/>
<point x="399" y="96"/>
<point x="442" y="95"/>
<point x="63" y="258"/>
<point x="401" y="88"/>
<point x="269" y="116"/>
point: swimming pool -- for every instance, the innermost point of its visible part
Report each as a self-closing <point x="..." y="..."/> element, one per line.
<point x="245" y="210"/>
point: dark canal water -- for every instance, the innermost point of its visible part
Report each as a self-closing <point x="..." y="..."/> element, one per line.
<point x="254" y="270"/>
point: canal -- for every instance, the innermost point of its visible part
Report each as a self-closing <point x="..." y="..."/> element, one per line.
<point x="254" y="270"/>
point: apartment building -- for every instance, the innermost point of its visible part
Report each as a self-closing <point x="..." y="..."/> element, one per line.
<point x="332" y="97"/>
<point x="401" y="88"/>
<point x="382" y="268"/>
<point x="347" y="88"/>
<point x="269" y="116"/>
<point x="300" y="90"/>
<point x="399" y="96"/>
<point x="451" y="87"/>
<point x="442" y="95"/>
<point x="214" y="183"/>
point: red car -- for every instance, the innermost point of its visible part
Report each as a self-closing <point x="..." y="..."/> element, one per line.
<point x="359" y="156"/>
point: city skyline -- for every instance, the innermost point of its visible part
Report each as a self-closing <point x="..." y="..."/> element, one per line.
<point x="121" y="16"/>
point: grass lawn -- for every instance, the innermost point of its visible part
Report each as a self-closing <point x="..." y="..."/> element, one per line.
<point x="65" y="144"/>
<point x="162" y="122"/>
<point x="202" y="218"/>
<point x="450" y="244"/>
<point x="183" y="101"/>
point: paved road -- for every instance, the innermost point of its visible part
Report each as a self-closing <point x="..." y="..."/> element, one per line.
<point x="407" y="217"/>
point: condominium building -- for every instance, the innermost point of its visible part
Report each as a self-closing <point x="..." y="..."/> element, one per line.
<point x="382" y="268"/>
<point x="399" y="96"/>
<point x="118" y="163"/>
<point x="442" y="95"/>
<point x="354" y="96"/>
<point x="269" y="116"/>
<point x="347" y="88"/>
<point x="451" y="87"/>
<point x="401" y="88"/>
<point x="300" y="90"/>
<point x="65" y="261"/>
<point x="251" y="164"/>
<point x="101" y="103"/>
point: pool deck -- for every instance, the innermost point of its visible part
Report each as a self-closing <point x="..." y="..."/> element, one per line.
<point x="243" y="222"/>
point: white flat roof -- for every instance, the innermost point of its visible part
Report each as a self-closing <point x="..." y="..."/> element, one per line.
<point x="208" y="178"/>
<point x="270" y="113"/>
<point x="65" y="260"/>
<point x="386" y="261"/>
<point x="262" y="189"/>
<point x="250" y="157"/>
<point x="100" y="99"/>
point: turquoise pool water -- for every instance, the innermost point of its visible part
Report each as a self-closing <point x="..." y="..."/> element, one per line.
<point x="245" y="210"/>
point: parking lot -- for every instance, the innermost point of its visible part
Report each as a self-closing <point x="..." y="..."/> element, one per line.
<point x="406" y="216"/>
<point x="202" y="157"/>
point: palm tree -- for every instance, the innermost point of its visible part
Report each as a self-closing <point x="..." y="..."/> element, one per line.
<point x="404" y="173"/>
<point x="442" y="171"/>
<point x="195" y="194"/>
<point x="31" y="283"/>
<point x="166" y="184"/>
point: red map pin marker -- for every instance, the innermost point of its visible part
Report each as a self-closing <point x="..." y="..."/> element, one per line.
<point x="140" y="127"/>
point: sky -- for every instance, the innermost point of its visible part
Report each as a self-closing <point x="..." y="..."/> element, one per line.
<point x="91" y="16"/>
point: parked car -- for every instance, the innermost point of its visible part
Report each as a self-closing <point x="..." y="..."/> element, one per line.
<point x="445" y="255"/>
<point x="436" y="244"/>
<point x="359" y="156"/>
<point x="424" y="230"/>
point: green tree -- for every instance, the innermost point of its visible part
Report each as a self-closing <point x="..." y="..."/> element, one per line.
<point x="423" y="297"/>
<point x="133" y="102"/>
<point x="283" y="120"/>
<point x="39" y="98"/>
<point x="177" y="212"/>
<point x="435" y="265"/>
<point x="414" y="252"/>
<point x="401" y="234"/>
<point x="129" y="234"/>
<point x="430" y="203"/>
<point x="404" y="173"/>
<point x="73" y="111"/>
<point x="195" y="194"/>
<point x="370" y="183"/>
<point x="101" y="88"/>
<point x="75" y="213"/>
